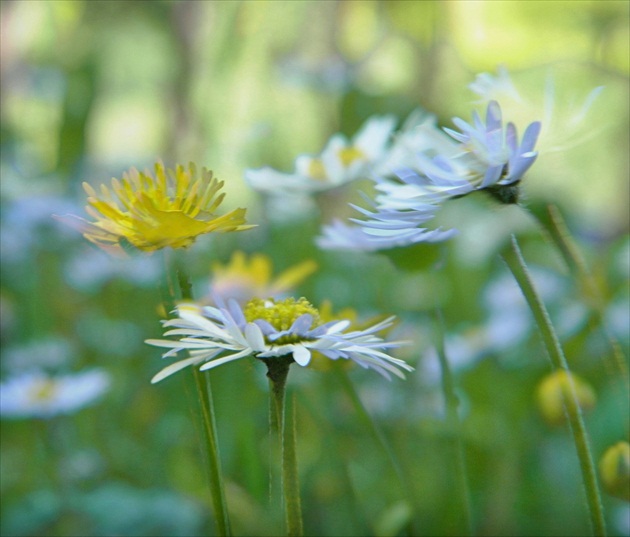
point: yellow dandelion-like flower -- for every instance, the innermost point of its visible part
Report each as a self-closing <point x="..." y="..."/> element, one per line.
<point x="171" y="209"/>
<point x="244" y="278"/>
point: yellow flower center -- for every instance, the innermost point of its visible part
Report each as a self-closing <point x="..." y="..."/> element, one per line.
<point x="44" y="390"/>
<point x="316" y="170"/>
<point x="280" y="314"/>
<point x="348" y="155"/>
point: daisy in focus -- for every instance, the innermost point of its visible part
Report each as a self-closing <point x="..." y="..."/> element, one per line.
<point x="150" y="212"/>
<point x="480" y="156"/>
<point x="268" y="330"/>
<point x="244" y="278"/>
<point x="34" y="394"/>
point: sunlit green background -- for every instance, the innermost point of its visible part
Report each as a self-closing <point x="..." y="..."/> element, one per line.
<point x="90" y="88"/>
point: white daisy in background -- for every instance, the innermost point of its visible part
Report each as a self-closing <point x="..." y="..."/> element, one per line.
<point x="45" y="353"/>
<point x="268" y="329"/>
<point x="26" y="224"/>
<point x="35" y="394"/>
<point x="482" y="156"/>
<point x="341" y="162"/>
<point x="419" y="134"/>
<point x="91" y="269"/>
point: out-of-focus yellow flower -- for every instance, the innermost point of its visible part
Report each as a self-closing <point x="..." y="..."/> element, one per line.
<point x="244" y="279"/>
<point x="171" y="209"/>
<point x="554" y="389"/>
<point x="614" y="469"/>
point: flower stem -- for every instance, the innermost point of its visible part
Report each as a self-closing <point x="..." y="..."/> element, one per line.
<point x="219" y="503"/>
<point x="454" y="425"/>
<point x="561" y="237"/>
<point x="277" y="371"/>
<point x="204" y="393"/>
<point x="514" y="260"/>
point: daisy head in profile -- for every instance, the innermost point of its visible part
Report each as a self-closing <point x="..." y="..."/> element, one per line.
<point x="288" y="331"/>
<point x="484" y="155"/>
<point x="148" y="212"/>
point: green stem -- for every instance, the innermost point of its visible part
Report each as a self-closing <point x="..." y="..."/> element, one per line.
<point x="561" y="237"/>
<point x="204" y="393"/>
<point x="219" y="503"/>
<point x="454" y="425"/>
<point x="277" y="371"/>
<point x="514" y="260"/>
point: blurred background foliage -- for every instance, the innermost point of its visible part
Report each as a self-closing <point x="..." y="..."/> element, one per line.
<point x="90" y="88"/>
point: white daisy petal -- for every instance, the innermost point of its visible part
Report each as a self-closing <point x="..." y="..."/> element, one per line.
<point x="225" y="359"/>
<point x="174" y="368"/>
<point x="301" y="355"/>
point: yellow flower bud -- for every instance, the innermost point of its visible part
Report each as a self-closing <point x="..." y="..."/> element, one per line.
<point x="555" y="388"/>
<point x="614" y="469"/>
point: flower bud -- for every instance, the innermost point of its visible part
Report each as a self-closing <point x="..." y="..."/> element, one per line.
<point x="614" y="469"/>
<point x="555" y="388"/>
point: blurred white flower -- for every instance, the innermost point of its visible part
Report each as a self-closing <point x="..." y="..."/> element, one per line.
<point x="621" y="518"/>
<point x="289" y="207"/>
<point x="491" y="87"/>
<point x="329" y="73"/>
<point x="617" y="318"/>
<point x="37" y="395"/>
<point x="91" y="268"/>
<point x="462" y="352"/>
<point x="566" y="118"/>
<point x="419" y="134"/>
<point x="24" y="223"/>
<point x="483" y="155"/>
<point x="50" y="352"/>
<point x="340" y="162"/>
<point x="509" y="318"/>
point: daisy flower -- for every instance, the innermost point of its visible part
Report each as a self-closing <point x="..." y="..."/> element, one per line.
<point x="171" y="209"/>
<point x="340" y="162"/>
<point x="271" y="329"/>
<point x="34" y="394"/>
<point x="481" y="156"/>
<point x="488" y="155"/>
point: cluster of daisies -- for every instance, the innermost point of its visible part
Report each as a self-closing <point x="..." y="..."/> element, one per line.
<point x="484" y="155"/>
<point x="171" y="208"/>
<point x="414" y="169"/>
